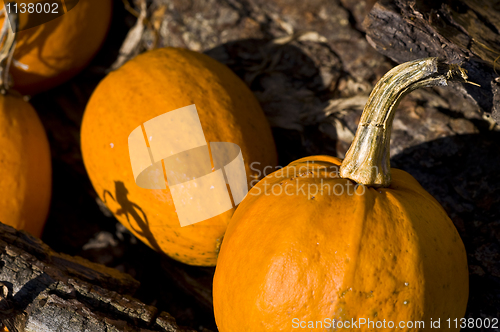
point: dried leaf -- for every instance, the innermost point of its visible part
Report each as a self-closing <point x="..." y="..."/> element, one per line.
<point x="131" y="44"/>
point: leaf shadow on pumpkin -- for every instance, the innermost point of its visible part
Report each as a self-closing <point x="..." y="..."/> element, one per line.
<point x="34" y="42"/>
<point x="26" y="43"/>
<point x="461" y="172"/>
<point x="133" y="210"/>
<point x="43" y="31"/>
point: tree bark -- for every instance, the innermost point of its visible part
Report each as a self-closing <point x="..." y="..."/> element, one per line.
<point x="41" y="290"/>
<point x="463" y="31"/>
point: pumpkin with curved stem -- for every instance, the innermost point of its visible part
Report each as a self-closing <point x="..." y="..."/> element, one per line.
<point x="51" y="53"/>
<point x="325" y="240"/>
<point x="148" y="86"/>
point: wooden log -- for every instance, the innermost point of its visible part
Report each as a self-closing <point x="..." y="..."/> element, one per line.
<point x="463" y="31"/>
<point x="42" y="291"/>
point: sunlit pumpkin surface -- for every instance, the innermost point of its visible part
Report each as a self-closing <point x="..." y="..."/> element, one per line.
<point x="152" y="84"/>
<point x="25" y="166"/>
<point x="51" y="53"/>
<point x="294" y="252"/>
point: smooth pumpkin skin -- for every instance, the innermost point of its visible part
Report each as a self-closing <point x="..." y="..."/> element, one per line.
<point x="338" y="256"/>
<point x="25" y="166"/>
<point x="147" y="86"/>
<point x="59" y="49"/>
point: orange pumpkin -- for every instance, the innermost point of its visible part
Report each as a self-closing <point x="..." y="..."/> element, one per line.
<point x="150" y="85"/>
<point x="51" y="53"/>
<point x="310" y="247"/>
<point x="25" y="166"/>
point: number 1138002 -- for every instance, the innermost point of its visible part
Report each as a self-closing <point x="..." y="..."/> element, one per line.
<point x="32" y="8"/>
<point x="24" y="14"/>
<point x="472" y="323"/>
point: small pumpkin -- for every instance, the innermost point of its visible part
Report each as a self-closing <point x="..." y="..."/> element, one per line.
<point x="151" y="84"/>
<point x="25" y="166"/>
<point x="51" y="53"/>
<point x="325" y="240"/>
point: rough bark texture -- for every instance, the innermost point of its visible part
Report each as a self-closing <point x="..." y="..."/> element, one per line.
<point x="42" y="290"/>
<point x="311" y="68"/>
<point x="463" y="31"/>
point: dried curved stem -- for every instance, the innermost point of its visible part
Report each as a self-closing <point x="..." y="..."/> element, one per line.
<point x="367" y="160"/>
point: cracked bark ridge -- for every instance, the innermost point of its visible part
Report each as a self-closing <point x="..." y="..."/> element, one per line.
<point x="463" y="31"/>
<point x="42" y="291"/>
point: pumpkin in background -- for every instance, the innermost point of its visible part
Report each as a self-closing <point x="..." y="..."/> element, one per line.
<point x="325" y="239"/>
<point x="51" y="53"/>
<point x="25" y="166"/>
<point x="147" y="86"/>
